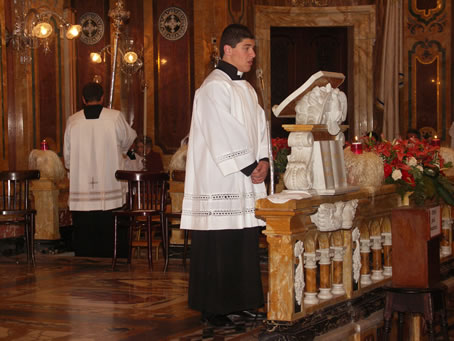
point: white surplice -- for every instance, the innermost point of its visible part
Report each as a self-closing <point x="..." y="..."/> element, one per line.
<point x="228" y="133"/>
<point x="93" y="151"/>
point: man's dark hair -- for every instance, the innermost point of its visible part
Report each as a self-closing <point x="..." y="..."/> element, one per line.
<point x="92" y="92"/>
<point x="414" y="131"/>
<point x="232" y="35"/>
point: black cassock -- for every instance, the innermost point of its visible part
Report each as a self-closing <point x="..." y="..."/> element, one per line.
<point x="225" y="271"/>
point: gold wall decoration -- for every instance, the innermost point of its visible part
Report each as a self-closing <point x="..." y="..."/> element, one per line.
<point x="427" y="68"/>
<point x="427" y="51"/>
<point x="427" y="10"/>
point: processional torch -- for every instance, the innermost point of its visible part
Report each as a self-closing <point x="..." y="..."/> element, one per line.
<point x="259" y="74"/>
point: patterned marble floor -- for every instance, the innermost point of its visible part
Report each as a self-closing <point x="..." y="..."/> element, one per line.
<point x="82" y="299"/>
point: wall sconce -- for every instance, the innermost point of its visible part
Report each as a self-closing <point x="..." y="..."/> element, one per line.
<point x="131" y="56"/>
<point x="32" y="29"/>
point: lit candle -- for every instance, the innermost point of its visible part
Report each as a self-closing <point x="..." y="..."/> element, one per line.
<point x="436" y="141"/>
<point x="357" y="147"/>
<point x="145" y="110"/>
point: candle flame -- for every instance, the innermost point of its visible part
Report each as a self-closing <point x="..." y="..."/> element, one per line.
<point x="356" y="138"/>
<point x="435" y="137"/>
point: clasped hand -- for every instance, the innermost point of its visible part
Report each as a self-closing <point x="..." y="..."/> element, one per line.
<point x="260" y="172"/>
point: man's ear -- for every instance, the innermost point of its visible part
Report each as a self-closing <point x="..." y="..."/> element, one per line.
<point x="227" y="50"/>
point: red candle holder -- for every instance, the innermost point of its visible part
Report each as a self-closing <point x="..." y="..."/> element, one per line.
<point x="436" y="142"/>
<point x="44" y="145"/>
<point x="357" y="147"/>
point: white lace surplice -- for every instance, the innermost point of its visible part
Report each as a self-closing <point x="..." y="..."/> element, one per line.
<point x="228" y="133"/>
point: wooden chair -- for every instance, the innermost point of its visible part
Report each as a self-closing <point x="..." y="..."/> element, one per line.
<point x="427" y="132"/>
<point x="175" y="216"/>
<point x="146" y="198"/>
<point x="15" y="205"/>
<point x="425" y="301"/>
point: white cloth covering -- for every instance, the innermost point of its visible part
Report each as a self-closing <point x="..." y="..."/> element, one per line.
<point x="134" y="165"/>
<point x="286" y="195"/>
<point x="93" y="151"/>
<point x="228" y="133"/>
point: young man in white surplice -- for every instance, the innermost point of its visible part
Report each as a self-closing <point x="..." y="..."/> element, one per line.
<point x="227" y="163"/>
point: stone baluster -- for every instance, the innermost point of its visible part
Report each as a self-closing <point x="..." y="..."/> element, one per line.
<point x="387" y="254"/>
<point x="338" y="259"/>
<point x="377" y="269"/>
<point x="446" y="239"/>
<point x="325" y="274"/>
<point x="365" y="254"/>
<point x="310" y="264"/>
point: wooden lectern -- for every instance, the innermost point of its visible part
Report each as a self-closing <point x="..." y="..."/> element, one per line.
<point x="416" y="246"/>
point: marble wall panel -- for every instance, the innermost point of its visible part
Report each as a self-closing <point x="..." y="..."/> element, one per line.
<point x="427" y="66"/>
<point x="362" y="21"/>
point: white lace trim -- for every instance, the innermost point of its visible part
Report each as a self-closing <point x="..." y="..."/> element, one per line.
<point x="220" y="196"/>
<point x="219" y="213"/>
<point x="232" y="155"/>
<point x="215" y="211"/>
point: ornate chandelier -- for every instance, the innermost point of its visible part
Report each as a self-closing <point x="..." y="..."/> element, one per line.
<point x="32" y="28"/>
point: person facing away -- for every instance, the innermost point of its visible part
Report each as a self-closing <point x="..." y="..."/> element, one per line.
<point x="134" y="160"/>
<point x="227" y="162"/>
<point x="95" y="139"/>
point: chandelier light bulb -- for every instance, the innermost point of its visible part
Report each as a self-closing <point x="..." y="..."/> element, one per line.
<point x="73" y="31"/>
<point x="42" y="30"/>
<point x="95" y="57"/>
<point x="130" y="57"/>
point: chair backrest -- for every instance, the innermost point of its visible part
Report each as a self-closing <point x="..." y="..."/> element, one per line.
<point x="146" y="190"/>
<point x="15" y="187"/>
<point x="427" y="132"/>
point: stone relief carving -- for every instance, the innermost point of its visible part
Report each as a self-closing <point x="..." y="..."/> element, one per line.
<point x="299" y="272"/>
<point x="323" y="105"/>
<point x="298" y="174"/>
<point x="332" y="217"/>
<point x="349" y="213"/>
<point x="356" y="254"/>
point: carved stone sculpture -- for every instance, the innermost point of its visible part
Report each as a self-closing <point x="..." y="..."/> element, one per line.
<point x="299" y="272"/>
<point x="332" y="217"/>
<point x="356" y="254"/>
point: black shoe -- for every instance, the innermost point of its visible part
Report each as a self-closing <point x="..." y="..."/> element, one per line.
<point x="217" y="320"/>
<point x="250" y="315"/>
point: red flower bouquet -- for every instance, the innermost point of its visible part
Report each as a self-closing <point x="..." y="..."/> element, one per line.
<point x="280" y="152"/>
<point x="414" y="166"/>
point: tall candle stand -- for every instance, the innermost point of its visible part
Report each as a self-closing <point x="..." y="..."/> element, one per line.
<point x="144" y="159"/>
